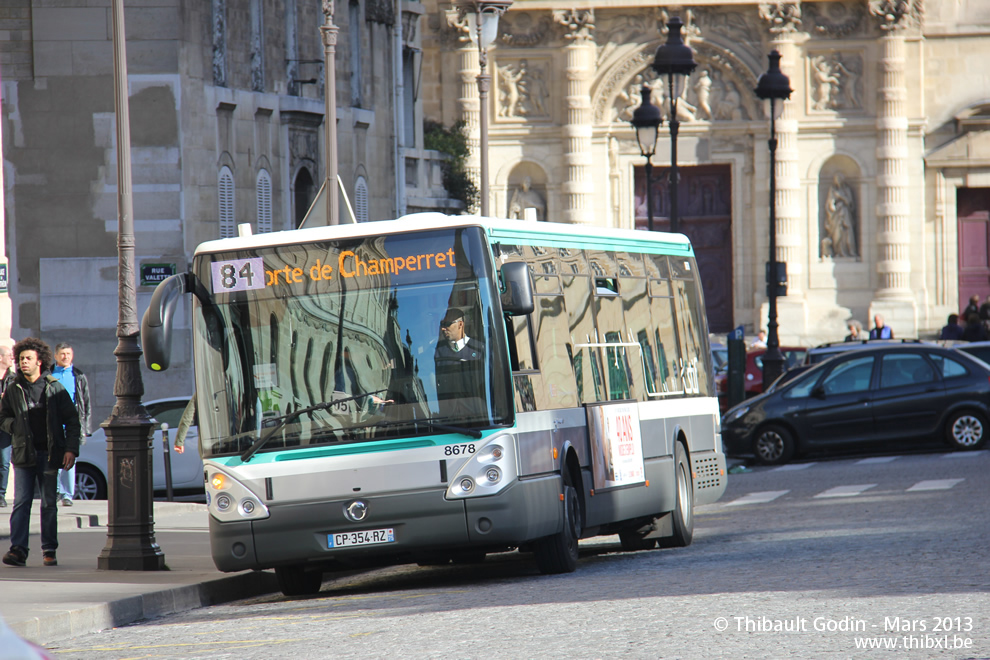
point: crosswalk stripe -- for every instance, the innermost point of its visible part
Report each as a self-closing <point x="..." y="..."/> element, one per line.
<point x="935" y="484"/>
<point x="845" y="491"/>
<point x="758" y="497"/>
<point x="793" y="466"/>
<point x="965" y="454"/>
<point x="877" y="459"/>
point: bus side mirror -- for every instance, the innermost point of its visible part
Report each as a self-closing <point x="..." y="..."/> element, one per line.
<point x="156" y="325"/>
<point x="517" y="294"/>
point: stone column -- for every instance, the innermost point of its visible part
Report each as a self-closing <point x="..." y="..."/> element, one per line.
<point x="469" y="67"/>
<point x="893" y="296"/>
<point x="578" y="188"/>
<point x="784" y="20"/>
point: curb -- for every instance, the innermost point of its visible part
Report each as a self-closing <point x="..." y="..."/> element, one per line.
<point x="70" y="623"/>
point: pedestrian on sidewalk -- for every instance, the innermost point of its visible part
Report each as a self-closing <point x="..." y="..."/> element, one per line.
<point x="43" y="423"/>
<point x="76" y="384"/>
<point x="6" y="374"/>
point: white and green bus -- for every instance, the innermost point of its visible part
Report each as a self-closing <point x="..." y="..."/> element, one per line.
<point x="432" y="389"/>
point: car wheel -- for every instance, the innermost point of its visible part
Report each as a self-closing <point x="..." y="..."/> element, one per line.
<point x="90" y="484"/>
<point x="966" y="429"/>
<point x="773" y="445"/>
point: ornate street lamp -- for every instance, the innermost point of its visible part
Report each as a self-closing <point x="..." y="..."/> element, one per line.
<point x="646" y="120"/>
<point x="775" y="86"/>
<point x="482" y="16"/>
<point x="674" y="59"/>
<point x="131" y="544"/>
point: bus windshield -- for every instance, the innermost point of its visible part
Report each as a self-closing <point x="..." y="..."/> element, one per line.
<point x="387" y="337"/>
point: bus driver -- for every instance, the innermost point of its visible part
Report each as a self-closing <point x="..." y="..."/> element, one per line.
<point x="458" y="368"/>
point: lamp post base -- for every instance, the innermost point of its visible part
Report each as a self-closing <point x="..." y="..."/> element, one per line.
<point x="131" y="544"/>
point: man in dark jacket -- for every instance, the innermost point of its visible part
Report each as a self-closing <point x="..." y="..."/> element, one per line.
<point x="43" y="423"/>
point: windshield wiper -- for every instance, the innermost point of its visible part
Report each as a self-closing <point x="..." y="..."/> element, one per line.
<point x="285" y="419"/>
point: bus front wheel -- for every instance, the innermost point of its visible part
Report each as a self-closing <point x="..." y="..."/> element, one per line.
<point x="296" y="581"/>
<point x="558" y="553"/>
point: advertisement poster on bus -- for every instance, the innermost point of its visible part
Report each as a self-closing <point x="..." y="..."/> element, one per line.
<point x="617" y="447"/>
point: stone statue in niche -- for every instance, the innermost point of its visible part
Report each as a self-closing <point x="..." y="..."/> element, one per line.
<point x="629" y="99"/>
<point x="525" y="197"/>
<point x="839" y="230"/>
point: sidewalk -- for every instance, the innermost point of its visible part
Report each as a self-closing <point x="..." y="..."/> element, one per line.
<point x="46" y="604"/>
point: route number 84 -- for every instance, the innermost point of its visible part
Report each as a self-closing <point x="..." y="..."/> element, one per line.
<point x="238" y="275"/>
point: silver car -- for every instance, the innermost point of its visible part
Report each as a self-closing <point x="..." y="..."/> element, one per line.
<point x="187" y="467"/>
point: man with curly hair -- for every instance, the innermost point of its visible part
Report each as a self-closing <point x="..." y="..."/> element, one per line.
<point x="38" y="413"/>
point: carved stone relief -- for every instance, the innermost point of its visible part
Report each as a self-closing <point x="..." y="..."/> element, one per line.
<point x="523" y="90"/>
<point x="836" y="20"/>
<point x="836" y="81"/>
<point x="578" y="23"/>
<point x="714" y="91"/>
<point x="896" y="14"/>
<point x="782" y="16"/>
<point x="524" y="29"/>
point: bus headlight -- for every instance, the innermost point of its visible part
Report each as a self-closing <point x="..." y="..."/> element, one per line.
<point x="228" y="500"/>
<point x="486" y="472"/>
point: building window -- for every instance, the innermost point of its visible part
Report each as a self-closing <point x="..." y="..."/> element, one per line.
<point x="304" y="193"/>
<point x="354" y="35"/>
<point x="361" y="200"/>
<point x="263" y="191"/>
<point x="225" y="191"/>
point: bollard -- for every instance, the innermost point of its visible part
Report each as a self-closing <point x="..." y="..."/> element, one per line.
<point x="736" y="373"/>
<point x="167" y="456"/>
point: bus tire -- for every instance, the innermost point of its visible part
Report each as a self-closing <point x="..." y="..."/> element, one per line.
<point x="683" y="515"/>
<point x="558" y="553"/>
<point x="296" y="581"/>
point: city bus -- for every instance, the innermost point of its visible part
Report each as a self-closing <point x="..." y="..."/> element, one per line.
<point x="433" y="389"/>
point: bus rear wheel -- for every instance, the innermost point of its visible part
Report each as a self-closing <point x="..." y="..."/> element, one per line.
<point x="296" y="581"/>
<point x="558" y="553"/>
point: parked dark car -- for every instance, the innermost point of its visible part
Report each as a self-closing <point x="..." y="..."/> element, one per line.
<point x="891" y="393"/>
<point x="979" y="349"/>
<point x="823" y="352"/>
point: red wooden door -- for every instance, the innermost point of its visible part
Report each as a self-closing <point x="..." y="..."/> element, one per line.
<point x="705" y="211"/>
<point x="973" y="207"/>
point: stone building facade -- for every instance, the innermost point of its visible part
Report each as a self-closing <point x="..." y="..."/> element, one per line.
<point x="226" y="111"/>
<point x="882" y="184"/>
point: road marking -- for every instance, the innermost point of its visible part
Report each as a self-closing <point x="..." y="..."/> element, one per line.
<point x="935" y="484"/>
<point x="964" y="454"/>
<point x="793" y="466"/>
<point x="758" y="498"/>
<point x="845" y="491"/>
<point x="877" y="459"/>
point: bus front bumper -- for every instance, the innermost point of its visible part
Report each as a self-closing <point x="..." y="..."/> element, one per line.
<point x="423" y="525"/>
